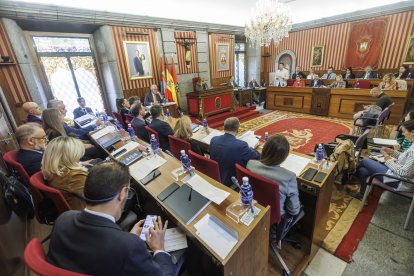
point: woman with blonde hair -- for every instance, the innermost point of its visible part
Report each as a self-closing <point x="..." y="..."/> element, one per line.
<point x="183" y="130"/>
<point x="53" y="123"/>
<point x="388" y="82"/>
<point x="62" y="169"/>
<point x="338" y="83"/>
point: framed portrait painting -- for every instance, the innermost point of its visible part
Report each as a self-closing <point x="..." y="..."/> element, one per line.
<point x="138" y="58"/>
<point x="317" y="55"/>
<point x="222" y="56"/>
<point x="409" y="51"/>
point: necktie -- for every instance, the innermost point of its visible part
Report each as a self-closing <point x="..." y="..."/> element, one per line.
<point x="327" y="77"/>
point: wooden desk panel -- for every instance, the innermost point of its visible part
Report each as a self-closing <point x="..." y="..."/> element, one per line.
<point x="212" y="101"/>
<point x="293" y="99"/>
<point x="243" y="95"/>
<point x="346" y="102"/>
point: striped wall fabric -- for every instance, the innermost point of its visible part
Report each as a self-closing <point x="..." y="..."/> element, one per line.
<point x="335" y="40"/>
<point x="11" y="77"/>
<point x="214" y="39"/>
<point x="180" y="38"/>
<point x="122" y="34"/>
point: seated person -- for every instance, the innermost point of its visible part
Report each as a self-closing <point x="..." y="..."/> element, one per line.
<point x="316" y="81"/>
<point x="123" y="108"/>
<point x="383" y="101"/>
<point x="32" y="141"/>
<point x="298" y="72"/>
<point x="403" y="143"/>
<point x="396" y="164"/>
<point x="274" y="152"/>
<point x="33" y="111"/>
<point x="253" y="83"/>
<point x="159" y="125"/>
<point x="183" y="130"/>
<point x="299" y="82"/>
<point x="153" y="97"/>
<point x="262" y="83"/>
<point x="82" y="109"/>
<point x="133" y="99"/>
<point x="201" y="85"/>
<point x="330" y="75"/>
<point x="311" y="75"/>
<point x="138" y="111"/>
<point x="62" y="169"/>
<point x="232" y="82"/>
<point x="388" y="82"/>
<point x="369" y="74"/>
<point x="338" y="83"/>
<point x="53" y="126"/>
<point x="403" y="73"/>
<point x="123" y="253"/>
<point x="349" y="75"/>
<point x="227" y="150"/>
<point x="59" y="105"/>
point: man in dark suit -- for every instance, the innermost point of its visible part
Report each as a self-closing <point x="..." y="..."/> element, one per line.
<point x="316" y="82"/>
<point x="90" y="241"/>
<point x="34" y="112"/>
<point x="82" y="109"/>
<point x="227" y="150"/>
<point x="153" y="97"/>
<point x="32" y="142"/>
<point x="369" y="74"/>
<point x="138" y="111"/>
<point x="139" y="69"/>
<point x="160" y="126"/>
<point x="298" y="72"/>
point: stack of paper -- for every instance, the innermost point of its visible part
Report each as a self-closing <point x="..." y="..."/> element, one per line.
<point x="100" y="133"/>
<point x="174" y="240"/>
<point x="250" y="138"/>
<point x="295" y="163"/>
<point x="207" y="190"/>
<point x="218" y="236"/>
<point x="145" y="166"/>
<point x="385" y="142"/>
<point x="126" y="148"/>
<point x="213" y="133"/>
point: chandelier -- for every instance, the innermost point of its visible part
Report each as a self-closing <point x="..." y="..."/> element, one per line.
<point x="270" y="20"/>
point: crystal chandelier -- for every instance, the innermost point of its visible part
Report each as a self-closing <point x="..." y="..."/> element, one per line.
<point x="270" y="20"/>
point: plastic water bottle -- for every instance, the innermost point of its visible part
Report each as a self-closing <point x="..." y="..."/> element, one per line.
<point x="205" y="125"/>
<point x="246" y="191"/>
<point x="168" y="114"/>
<point x="97" y="114"/>
<point x="154" y="144"/>
<point x="105" y="117"/>
<point x="266" y="136"/>
<point x="131" y="132"/>
<point x="408" y="76"/>
<point x="319" y="154"/>
<point x="118" y="125"/>
<point x="185" y="161"/>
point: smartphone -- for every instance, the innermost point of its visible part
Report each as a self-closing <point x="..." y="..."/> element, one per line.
<point x="151" y="176"/>
<point x="168" y="191"/>
<point x="320" y="176"/>
<point x="149" y="222"/>
<point x="309" y="174"/>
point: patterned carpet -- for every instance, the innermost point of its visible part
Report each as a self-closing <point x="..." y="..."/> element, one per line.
<point x="303" y="131"/>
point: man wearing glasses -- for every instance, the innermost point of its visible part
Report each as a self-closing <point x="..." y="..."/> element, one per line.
<point x="90" y="241"/>
<point x="32" y="140"/>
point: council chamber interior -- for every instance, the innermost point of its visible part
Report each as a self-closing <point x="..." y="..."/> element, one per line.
<point x="275" y="137"/>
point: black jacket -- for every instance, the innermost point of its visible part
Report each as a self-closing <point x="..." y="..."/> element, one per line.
<point x="94" y="245"/>
<point x="31" y="160"/>
<point x="142" y="132"/>
<point x="163" y="129"/>
<point x="78" y="112"/>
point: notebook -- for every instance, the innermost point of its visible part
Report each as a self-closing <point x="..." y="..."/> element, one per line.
<point x="186" y="203"/>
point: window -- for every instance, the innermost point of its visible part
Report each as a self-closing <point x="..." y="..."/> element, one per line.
<point x="69" y="66"/>
<point x="240" y="64"/>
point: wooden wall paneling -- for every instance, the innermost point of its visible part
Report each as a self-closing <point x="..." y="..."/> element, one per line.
<point x="191" y="37"/>
<point x="140" y="92"/>
<point x="219" y="77"/>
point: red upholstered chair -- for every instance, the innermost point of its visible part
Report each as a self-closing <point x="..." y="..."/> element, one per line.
<point x="177" y="144"/>
<point x="118" y="117"/>
<point x="34" y="257"/>
<point x="207" y="166"/>
<point x="290" y="82"/>
<point x="128" y="119"/>
<point x="55" y="195"/>
<point x="37" y="196"/>
<point x="24" y="121"/>
<point x="151" y="131"/>
<point x="363" y="84"/>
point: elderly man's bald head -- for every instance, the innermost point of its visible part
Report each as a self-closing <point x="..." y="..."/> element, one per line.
<point x="32" y="108"/>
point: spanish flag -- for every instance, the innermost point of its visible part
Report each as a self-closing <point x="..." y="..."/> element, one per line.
<point x="170" y="91"/>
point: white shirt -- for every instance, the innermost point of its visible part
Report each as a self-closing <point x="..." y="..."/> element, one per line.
<point x="331" y="76"/>
<point x="310" y="77"/>
<point x="281" y="77"/>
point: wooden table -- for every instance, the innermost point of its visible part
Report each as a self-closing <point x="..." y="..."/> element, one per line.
<point x="172" y="107"/>
<point x="340" y="103"/>
<point x="250" y="254"/>
<point x="243" y="95"/>
<point x="315" y="197"/>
